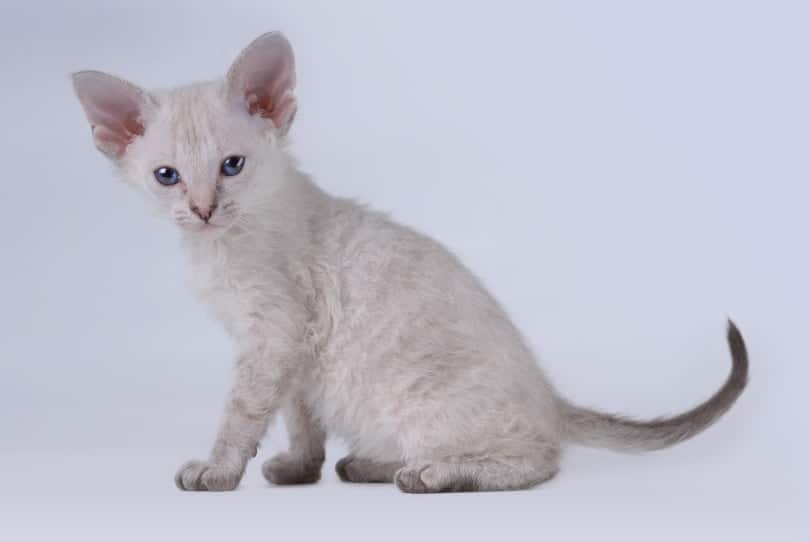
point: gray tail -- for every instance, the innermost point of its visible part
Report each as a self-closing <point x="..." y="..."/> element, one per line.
<point x="599" y="430"/>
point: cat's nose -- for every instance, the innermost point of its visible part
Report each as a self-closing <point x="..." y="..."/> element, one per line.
<point x="204" y="211"/>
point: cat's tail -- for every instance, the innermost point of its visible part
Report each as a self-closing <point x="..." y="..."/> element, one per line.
<point x="600" y="430"/>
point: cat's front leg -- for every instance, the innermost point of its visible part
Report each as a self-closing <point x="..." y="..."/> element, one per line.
<point x="256" y="395"/>
<point x="302" y="463"/>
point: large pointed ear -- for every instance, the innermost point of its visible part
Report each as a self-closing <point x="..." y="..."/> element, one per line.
<point x="115" y="109"/>
<point x="263" y="78"/>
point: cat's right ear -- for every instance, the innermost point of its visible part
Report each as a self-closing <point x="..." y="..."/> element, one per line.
<point x="115" y="109"/>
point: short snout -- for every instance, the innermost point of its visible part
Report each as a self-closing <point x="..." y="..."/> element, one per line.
<point x="205" y="211"/>
<point x="202" y="200"/>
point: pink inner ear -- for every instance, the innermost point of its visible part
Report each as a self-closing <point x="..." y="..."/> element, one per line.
<point x="264" y="78"/>
<point x="114" y="108"/>
<point x="269" y="106"/>
<point x="115" y="142"/>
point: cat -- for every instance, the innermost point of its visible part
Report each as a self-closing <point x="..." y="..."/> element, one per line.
<point x="348" y="323"/>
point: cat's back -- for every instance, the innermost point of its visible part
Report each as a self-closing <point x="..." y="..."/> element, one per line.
<point x="379" y="263"/>
<point x="379" y="273"/>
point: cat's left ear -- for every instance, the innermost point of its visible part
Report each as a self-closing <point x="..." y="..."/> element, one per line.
<point x="262" y="78"/>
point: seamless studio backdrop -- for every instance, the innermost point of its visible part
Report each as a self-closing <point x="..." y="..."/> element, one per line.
<point x="622" y="175"/>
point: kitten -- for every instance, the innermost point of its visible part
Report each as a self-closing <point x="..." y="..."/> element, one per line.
<point x="348" y="323"/>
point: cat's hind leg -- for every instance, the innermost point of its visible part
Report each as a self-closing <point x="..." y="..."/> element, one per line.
<point x="361" y="470"/>
<point x="302" y="463"/>
<point x="492" y="472"/>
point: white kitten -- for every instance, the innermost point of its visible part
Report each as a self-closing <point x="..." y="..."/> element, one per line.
<point x="349" y="323"/>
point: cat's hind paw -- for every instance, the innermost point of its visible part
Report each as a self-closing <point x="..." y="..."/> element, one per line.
<point x="360" y="470"/>
<point x="434" y="478"/>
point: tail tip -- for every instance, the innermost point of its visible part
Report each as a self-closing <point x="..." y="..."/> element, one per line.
<point x="733" y="332"/>
<point x="731" y="326"/>
<point x="739" y="352"/>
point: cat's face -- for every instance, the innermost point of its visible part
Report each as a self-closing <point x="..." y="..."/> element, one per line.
<point x="204" y="154"/>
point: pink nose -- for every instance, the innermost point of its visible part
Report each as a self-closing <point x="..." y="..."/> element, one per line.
<point x="205" y="211"/>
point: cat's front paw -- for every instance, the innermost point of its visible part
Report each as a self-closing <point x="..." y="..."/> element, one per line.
<point x="285" y="469"/>
<point x="204" y="476"/>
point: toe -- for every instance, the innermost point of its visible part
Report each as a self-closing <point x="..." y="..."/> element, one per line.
<point x="409" y="480"/>
<point x="189" y="475"/>
<point x="216" y="479"/>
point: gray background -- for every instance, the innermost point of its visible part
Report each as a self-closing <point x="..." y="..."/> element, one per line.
<point x="622" y="175"/>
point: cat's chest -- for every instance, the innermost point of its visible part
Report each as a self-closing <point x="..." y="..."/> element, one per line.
<point x="235" y="294"/>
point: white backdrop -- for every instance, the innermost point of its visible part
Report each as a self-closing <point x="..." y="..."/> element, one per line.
<point x="622" y="175"/>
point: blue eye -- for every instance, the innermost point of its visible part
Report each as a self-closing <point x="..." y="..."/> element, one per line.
<point x="167" y="176"/>
<point x="232" y="165"/>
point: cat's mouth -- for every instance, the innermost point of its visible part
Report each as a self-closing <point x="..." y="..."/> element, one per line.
<point x="208" y="227"/>
<point x="205" y="226"/>
<point x="217" y="225"/>
<point x="206" y="230"/>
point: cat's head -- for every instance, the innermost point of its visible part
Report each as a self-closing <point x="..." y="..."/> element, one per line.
<point x="204" y="153"/>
